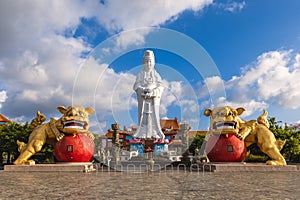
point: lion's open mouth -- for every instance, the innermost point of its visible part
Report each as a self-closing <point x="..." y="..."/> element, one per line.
<point x="75" y="124"/>
<point x="224" y="125"/>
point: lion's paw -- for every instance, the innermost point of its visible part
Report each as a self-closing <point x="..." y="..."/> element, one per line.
<point x="30" y="162"/>
<point x="59" y="136"/>
<point x="274" y="162"/>
<point x="240" y="136"/>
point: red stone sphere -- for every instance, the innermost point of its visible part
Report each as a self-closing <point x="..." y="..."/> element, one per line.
<point x="220" y="148"/>
<point x="74" y="148"/>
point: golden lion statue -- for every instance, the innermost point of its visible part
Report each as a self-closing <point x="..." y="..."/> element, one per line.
<point x="75" y="120"/>
<point x="226" y="120"/>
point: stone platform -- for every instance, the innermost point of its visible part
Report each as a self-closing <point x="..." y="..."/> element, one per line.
<point x="58" y="167"/>
<point x="244" y="167"/>
<point x="208" y="167"/>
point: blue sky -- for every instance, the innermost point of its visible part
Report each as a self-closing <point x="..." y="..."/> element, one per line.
<point x="209" y="53"/>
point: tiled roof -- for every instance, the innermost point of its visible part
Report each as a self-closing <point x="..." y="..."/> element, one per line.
<point x="169" y="127"/>
<point x="109" y="133"/>
<point x="3" y="119"/>
<point x="172" y="124"/>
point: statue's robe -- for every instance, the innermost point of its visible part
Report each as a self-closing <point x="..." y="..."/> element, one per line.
<point x="148" y="106"/>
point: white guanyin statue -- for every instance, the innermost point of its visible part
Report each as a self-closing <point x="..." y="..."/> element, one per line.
<point x="148" y="87"/>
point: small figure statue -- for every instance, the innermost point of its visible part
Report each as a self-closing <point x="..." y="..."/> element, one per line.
<point x="38" y="120"/>
<point x="103" y="156"/>
<point x="149" y="88"/>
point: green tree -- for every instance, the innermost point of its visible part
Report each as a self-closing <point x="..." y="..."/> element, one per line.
<point x="97" y="147"/>
<point x="196" y="143"/>
<point x="291" y="149"/>
<point x="9" y="134"/>
<point x="12" y="132"/>
<point x="46" y="155"/>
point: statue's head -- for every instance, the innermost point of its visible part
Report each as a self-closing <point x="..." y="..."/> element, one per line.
<point x="224" y="120"/>
<point x="75" y="119"/>
<point x="148" y="60"/>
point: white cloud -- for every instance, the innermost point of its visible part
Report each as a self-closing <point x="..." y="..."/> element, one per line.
<point x="3" y="97"/>
<point x="118" y="95"/>
<point x="138" y="14"/>
<point x="39" y="57"/>
<point x="29" y="95"/>
<point x="135" y="13"/>
<point x="97" y="84"/>
<point x="25" y="24"/>
<point x="214" y="84"/>
<point x="212" y="88"/>
<point x="235" y="6"/>
<point x="29" y="70"/>
<point x="276" y="79"/>
<point x="273" y="79"/>
<point x="250" y="106"/>
<point x="189" y="106"/>
<point x="109" y="92"/>
<point x="39" y="63"/>
<point x="125" y="39"/>
<point x="297" y="61"/>
<point x="176" y="88"/>
<point x="231" y="5"/>
<point x="170" y="96"/>
<point x="178" y="94"/>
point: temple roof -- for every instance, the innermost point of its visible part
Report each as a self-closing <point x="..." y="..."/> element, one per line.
<point x="3" y="119"/>
<point x="169" y="127"/>
<point x="109" y="133"/>
<point x="172" y="124"/>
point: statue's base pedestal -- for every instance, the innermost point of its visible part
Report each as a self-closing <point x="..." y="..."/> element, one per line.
<point x="58" y="167"/>
<point x="243" y="167"/>
<point x="147" y="145"/>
